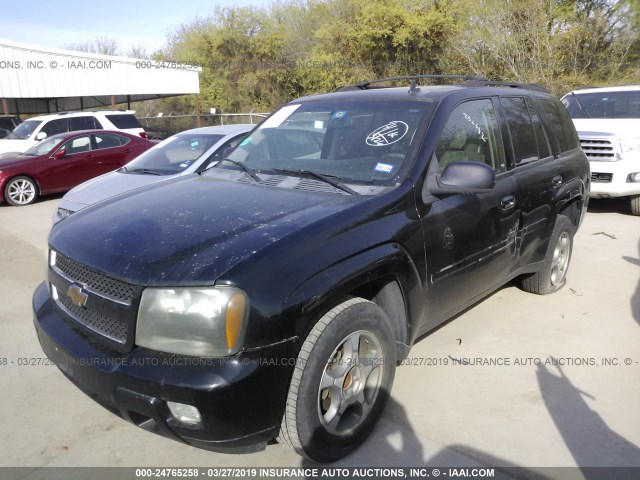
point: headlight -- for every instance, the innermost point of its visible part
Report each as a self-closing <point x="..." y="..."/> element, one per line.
<point x="630" y="145"/>
<point x="205" y="322"/>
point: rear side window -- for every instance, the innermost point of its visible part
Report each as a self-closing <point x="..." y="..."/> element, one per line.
<point x="54" y="127"/>
<point x="563" y="133"/>
<point x="124" y="121"/>
<point x="108" y="140"/>
<point x="523" y="138"/>
<point x="83" y="123"/>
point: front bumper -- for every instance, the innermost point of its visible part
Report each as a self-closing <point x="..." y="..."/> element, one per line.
<point x="609" y="179"/>
<point x="240" y="398"/>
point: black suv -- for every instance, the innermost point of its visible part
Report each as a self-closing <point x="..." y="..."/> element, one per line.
<point x="272" y="295"/>
<point x="8" y="123"/>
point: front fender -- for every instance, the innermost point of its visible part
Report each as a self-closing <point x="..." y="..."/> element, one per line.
<point x="389" y="261"/>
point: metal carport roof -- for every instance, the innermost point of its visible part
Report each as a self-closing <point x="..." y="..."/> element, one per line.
<point x="36" y="79"/>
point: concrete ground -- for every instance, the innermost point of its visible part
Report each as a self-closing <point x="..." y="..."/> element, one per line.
<point x="566" y="393"/>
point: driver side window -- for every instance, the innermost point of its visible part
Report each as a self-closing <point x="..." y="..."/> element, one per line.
<point x="472" y="134"/>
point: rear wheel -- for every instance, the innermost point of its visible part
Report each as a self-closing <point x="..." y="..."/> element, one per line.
<point x="553" y="274"/>
<point x="635" y="205"/>
<point x="20" y="191"/>
<point x="341" y="381"/>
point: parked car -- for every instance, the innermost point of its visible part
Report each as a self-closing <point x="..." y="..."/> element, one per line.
<point x="182" y="154"/>
<point x="608" y="124"/>
<point x="63" y="161"/>
<point x="8" y="123"/>
<point x="272" y="295"/>
<point x="36" y="129"/>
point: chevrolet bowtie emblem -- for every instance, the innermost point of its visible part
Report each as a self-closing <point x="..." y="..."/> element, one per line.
<point x="77" y="296"/>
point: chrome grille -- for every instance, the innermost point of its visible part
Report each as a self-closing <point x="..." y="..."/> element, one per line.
<point x="109" y="327"/>
<point x="600" y="150"/>
<point x="97" y="283"/>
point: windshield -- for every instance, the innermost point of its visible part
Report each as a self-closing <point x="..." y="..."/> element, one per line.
<point x="24" y="130"/>
<point x="43" y="147"/>
<point x="175" y="154"/>
<point x="358" y="142"/>
<point x="603" y="104"/>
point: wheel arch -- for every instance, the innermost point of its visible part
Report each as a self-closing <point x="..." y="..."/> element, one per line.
<point x="385" y="275"/>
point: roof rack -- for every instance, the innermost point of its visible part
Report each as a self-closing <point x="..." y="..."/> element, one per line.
<point x="469" y="81"/>
<point x="414" y="78"/>
<point x="495" y="83"/>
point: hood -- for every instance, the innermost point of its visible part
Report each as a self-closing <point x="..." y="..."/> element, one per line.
<point x="620" y="127"/>
<point x="188" y="231"/>
<point x="15" y="145"/>
<point x="106" y="186"/>
<point x="14" y="159"/>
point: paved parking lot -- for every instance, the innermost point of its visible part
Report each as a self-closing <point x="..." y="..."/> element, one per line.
<point x="563" y="390"/>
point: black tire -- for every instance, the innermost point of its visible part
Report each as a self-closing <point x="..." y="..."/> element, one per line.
<point x="552" y="276"/>
<point x="634" y="203"/>
<point x="325" y="356"/>
<point x="20" y="191"/>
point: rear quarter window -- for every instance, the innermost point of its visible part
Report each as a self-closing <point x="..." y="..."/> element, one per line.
<point x="124" y="121"/>
<point x="562" y="132"/>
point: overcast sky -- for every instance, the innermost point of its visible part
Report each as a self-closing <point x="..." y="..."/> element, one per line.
<point x="146" y="23"/>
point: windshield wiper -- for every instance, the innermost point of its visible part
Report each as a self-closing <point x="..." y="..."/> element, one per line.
<point x="146" y="171"/>
<point x="249" y="171"/>
<point x="332" y="180"/>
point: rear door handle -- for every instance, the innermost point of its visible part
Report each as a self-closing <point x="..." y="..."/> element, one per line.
<point x="508" y="202"/>
<point x="556" y="181"/>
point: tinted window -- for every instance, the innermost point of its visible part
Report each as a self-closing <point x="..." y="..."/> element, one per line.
<point x="523" y="138"/>
<point x="77" y="145"/>
<point x="603" y="104"/>
<point x="543" y="142"/>
<point x="472" y="135"/>
<point x="6" y="123"/>
<point x="562" y="132"/>
<point x="224" y="150"/>
<point x="53" y="127"/>
<point x="82" y="123"/>
<point x="108" y="140"/>
<point x="124" y="121"/>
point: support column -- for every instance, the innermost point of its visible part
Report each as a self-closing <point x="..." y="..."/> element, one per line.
<point x="5" y="106"/>
<point x="198" y="119"/>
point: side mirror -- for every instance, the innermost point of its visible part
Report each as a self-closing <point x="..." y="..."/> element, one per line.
<point x="465" y="178"/>
<point x="59" y="154"/>
<point x="41" y="136"/>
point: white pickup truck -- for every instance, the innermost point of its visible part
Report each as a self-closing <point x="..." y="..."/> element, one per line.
<point x="608" y="123"/>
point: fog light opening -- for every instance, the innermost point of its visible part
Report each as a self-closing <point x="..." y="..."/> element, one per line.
<point x="185" y="413"/>
<point x="634" y="177"/>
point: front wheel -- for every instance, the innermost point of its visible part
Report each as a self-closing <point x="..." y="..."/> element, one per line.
<point x="20" y="191"/>
<point x="634" y="203"/>
<point x="553" y="274"/>
<point x="341" y="381"/>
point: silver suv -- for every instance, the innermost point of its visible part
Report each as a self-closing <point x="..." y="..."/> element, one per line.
<point x="608" y="124"/>
<point x="32" y="131"/>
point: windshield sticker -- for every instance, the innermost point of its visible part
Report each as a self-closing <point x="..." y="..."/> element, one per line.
<point x="383" y="167"/>
<point x="245" y="142"/>
<point x="194" y="144"/>
<point x="387" y="134"/>
<point x="280" y="116"/>
<point x="476" y="126"/>
<point x="338" y="114"/>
